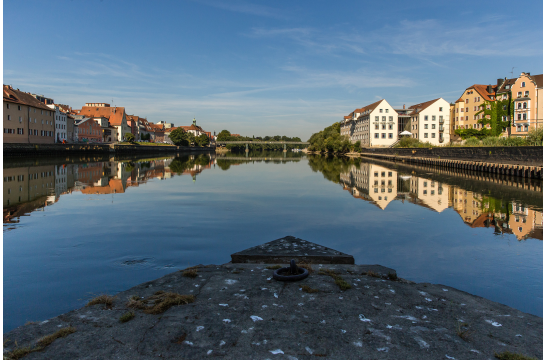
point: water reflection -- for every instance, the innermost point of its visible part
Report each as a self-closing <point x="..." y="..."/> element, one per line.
<point x="31" y="188"/>
<point x="380" y="184"/>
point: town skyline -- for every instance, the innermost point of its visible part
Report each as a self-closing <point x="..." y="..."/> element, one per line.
<point x="254" y="69"/>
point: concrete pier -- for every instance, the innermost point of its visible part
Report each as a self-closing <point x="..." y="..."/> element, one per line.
<point x="238" y="311"/>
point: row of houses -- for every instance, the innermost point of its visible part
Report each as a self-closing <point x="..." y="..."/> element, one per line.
<point x="36" y="119"/>
<point x="436" y="121"/>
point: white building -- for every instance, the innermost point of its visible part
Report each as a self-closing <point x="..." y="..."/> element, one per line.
<point x="430" y="122"/>
<point x="165" y="124"/>
<point x="375" y="125"/>
<point x="60" y="123"/>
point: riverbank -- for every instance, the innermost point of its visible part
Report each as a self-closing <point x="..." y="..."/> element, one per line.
<point x="238" y="311"/>
<point x="13" y="150"/>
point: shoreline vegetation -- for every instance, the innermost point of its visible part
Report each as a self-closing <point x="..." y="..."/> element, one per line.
<point x="225" y="135"/>
<point x="331" y="141"/>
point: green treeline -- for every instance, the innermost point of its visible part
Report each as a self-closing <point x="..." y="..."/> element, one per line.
<point x="225" y="135"/>
<point x="330" y="140"/>
<point x="180" y="164"/>
<point x="182" y="138"/>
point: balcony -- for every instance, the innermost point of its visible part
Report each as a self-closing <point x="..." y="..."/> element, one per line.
<point x="441" y="128"/>
<point x="441" y="121"/>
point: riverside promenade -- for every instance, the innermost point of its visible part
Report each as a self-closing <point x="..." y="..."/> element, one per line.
<point x="239" y="311"/>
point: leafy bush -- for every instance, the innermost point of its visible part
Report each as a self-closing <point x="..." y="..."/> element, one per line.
<point x="129" y="137"/>
<point x="472" y="141"/>
<point x="535" y="136"/>
<point x="408" y="142"/>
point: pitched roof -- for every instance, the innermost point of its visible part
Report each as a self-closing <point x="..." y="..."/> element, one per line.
<point x="197" y="128"/>
<point x="422" y="106"/>
<point x="482" y="90"/>
<point x="502" y="89"/>
<point x="113" y="114"/>
<point x="23" y="98"/>
<point x="538" y="79"/>
<point x="371" y="107"/>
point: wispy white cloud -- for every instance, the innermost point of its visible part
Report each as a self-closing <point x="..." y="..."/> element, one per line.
<point x="245" y="8"/>
<point x="424" y="39"/>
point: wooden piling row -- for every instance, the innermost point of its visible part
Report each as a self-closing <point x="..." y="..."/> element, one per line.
<point x="523" y="171"/>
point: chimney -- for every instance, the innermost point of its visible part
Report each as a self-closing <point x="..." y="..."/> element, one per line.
<point x="499" y="82"/>
<point x="489" y="88"/>
<point x="403" y="106"/>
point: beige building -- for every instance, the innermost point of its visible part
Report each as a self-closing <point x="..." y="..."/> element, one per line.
<point x="468" y="105"/>
<point x="115" y="115"/>
<point x="430" y="193"/>
<point x="527" y="93"/>
<point x="26" y="119"/>
<point x="375" y="125"/>
<point x="503" y="92"/>
<point x="430" y="122"/>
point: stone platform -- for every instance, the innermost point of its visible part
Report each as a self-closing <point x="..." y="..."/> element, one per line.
<point x="240" y="312"/>
<point x="284" y="249"/>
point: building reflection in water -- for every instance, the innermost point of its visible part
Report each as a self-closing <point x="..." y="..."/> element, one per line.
<point x="31" y="188"/>
<point x="380" y="186"/>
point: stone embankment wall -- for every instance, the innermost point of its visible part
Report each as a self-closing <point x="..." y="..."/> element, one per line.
<point x="520" y="161"/>
<point x="62" y="149"/>
<point x="515" y="155"/>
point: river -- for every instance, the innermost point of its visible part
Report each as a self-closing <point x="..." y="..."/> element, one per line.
<point x="78" y="227"/>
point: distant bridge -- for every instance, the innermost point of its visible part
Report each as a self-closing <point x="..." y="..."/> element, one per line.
<point x="263" y="142"/>
<point x="254" y="158"/>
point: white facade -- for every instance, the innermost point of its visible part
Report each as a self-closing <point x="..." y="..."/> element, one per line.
<point x="60" y="124"/>
<point x="430" y="122"/>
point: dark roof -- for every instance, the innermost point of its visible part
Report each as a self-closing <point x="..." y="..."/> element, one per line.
<point x="23" y="98"/>
<point x="538" y="79"/>
<point x="506" y="82"/>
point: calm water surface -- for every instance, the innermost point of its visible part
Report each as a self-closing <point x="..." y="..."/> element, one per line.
<point x="75" y="228"/>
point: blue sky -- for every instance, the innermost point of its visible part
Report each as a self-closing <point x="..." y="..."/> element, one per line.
<point x="264" y="68"/>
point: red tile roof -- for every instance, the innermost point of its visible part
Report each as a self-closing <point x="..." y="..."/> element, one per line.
<point x="419" y="107"/>
<point x="113" y="114"/>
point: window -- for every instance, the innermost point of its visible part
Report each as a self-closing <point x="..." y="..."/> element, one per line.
<point x="440" y="118"/>
<point x="9" y="117"/>
<point x="461" y="109"/>
<point x="426" y="117"/>
<point x="467" y="109"/>
<point x="7" y="106"/>
<point x="390" y="136"/>
<point x="433" y="117"/>
<point x="20" y="119"/>
<point x="433" y="126"/>
<point x="376" y="118"/>
<point x="425" y="126"/>
<point x="384" y="118"/>
<point x="18" y="107"/>
<point x="20" y="131"/>
<point x="526" y="93"/>
<point x="433" y="135"/>
<point x="524" y="105"/>
<point x="425" y="135"/>
<point x="391" y="118"/>
<point x="383" y="135"/>
<point x="380" y="110"/>
<point x="440" y="109"/>
<point x="523" y="116"/>
<point x="523" y="84"/>
<point x="467" y="101"/>
<point x="519" y="94"/>
<point x="504" y="107"/>
<point x="519" y="116"/>
<point x="383" y="126"/>
<point x="390" y="127"/>
<point x="376" y="126"/>
<point x="376" y="136"/>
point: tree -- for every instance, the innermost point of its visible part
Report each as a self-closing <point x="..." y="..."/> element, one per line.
<point x="202" y="140"/>
<point x="178" y="137"/>
<point x="224" y="135"/>
<point x="129" y="137"/>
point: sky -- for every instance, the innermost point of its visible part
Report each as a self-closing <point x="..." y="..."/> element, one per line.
<point x="264" y="68"/>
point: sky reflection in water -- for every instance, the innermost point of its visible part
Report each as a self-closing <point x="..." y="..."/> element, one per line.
<point x="76" y="229"/>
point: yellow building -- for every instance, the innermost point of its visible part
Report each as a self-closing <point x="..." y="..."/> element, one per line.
<point x="468" y="105"/>
<point x="527" y="93"/>
<point x="26" y="119"/>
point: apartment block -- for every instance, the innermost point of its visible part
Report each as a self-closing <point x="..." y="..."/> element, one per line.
<point x="26" y="119"/>
<point x="527" y="93"/>
<point x="469" y="104"/>
<point x="429" y="121"/>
